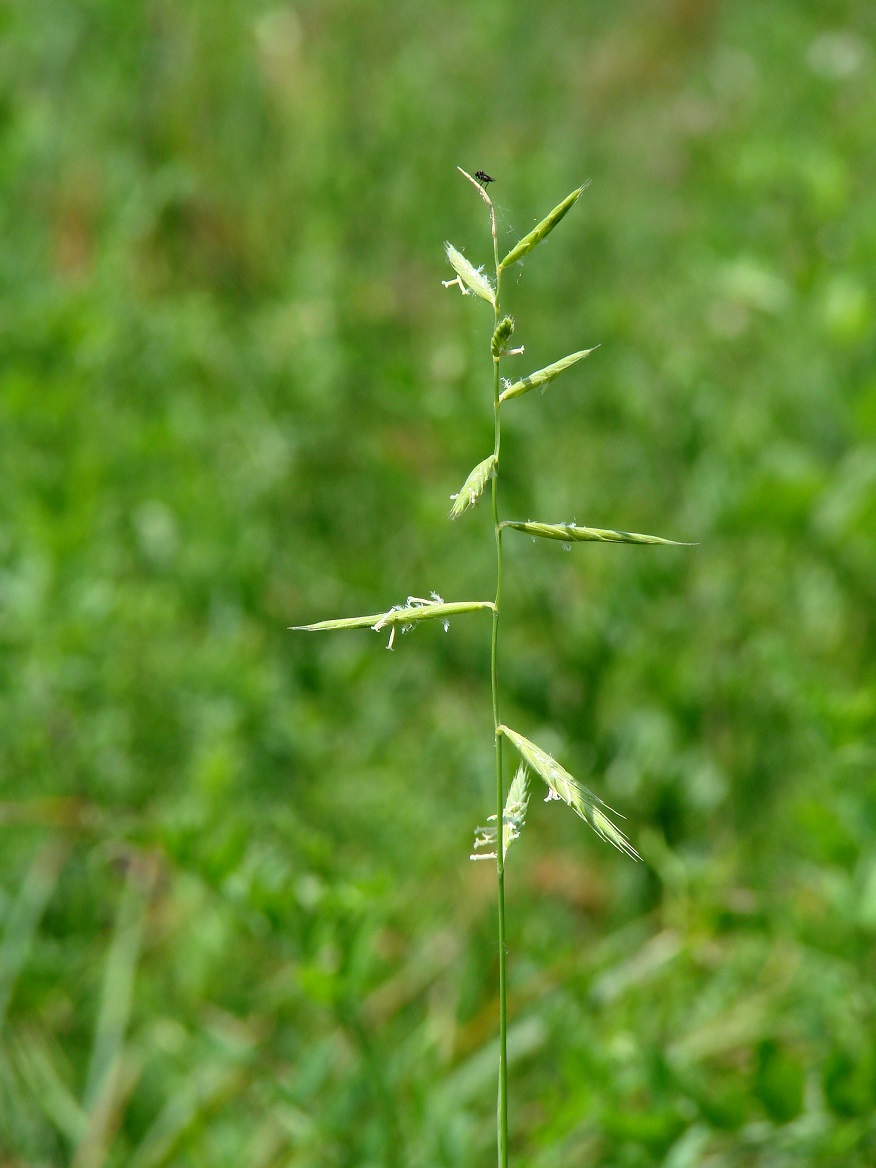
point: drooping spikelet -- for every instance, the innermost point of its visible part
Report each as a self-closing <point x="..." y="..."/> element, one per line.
<point x="562" y="786"/>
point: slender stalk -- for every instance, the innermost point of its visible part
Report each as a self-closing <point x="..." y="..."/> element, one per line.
<point x="502" y="1104"/>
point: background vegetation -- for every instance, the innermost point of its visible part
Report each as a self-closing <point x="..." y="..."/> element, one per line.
<point x="239" y="925"/>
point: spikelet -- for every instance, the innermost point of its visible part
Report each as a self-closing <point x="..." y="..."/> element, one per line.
<point x="544" y="228"/>
<point x="572" y="533"/>
<point x="502" y="336"/>
<point x="513" y="819"/>
<point x="470" y="277"/>
<point x="473" y="487"/>
<point x="514" y="814"/>
<point x="543" y="376"/>
<point x="562" y="786"/>
<point x="401" y="614"/>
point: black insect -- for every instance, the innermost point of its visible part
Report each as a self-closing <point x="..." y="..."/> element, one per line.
<point x="483" y="178"/>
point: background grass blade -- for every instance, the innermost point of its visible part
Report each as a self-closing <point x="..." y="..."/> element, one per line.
<point x="525" y="246"/>
<point x="38" y="1062"/>
<point x="572" y="533"/>
<point x="117" y="989"/>
<point x="106" y="1114"/>
<point x="24" y="916"/>
<point x="193" y="1103"/>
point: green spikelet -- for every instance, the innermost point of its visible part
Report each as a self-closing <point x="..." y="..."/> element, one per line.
<point x="562" y="786"/>
<point x="543" y="376"/>
<point x="471" y="277"/>
<point x="572" y="533"/>
<point x="544" y="228"/>
<point x="514" y="815"/>
<point x="502" y="336"/>
<point x="473" y="487"/>
<point x="513" y="819"/>
<point x="402" y="614"/>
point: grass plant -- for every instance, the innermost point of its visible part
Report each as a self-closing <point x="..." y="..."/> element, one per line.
<point x="505" y="825"/>
<point x="234" y="395"/>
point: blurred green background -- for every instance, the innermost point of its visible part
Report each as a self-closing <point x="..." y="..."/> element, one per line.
<point x="238" y="924"/>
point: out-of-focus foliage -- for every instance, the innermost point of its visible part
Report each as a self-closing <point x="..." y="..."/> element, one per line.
<point x="237" y="921"/>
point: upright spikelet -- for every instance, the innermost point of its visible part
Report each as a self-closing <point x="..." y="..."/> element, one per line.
<point x="473" y="487"/>
<point x="513" y="819"/>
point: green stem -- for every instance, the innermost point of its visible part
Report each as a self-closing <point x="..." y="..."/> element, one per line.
<point x="502" y="1105"/>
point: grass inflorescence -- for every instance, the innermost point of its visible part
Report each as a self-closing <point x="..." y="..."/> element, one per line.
<point x="493" y="840"/>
